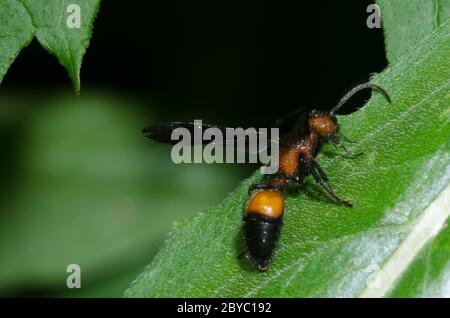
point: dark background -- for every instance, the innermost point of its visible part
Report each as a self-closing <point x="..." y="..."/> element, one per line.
<point x="237" y="63"/>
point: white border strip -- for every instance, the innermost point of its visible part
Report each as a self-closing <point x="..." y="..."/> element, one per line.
<point x="428" y="226"/>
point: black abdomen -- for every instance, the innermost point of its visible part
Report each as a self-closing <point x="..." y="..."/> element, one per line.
<point x="261" y="234"/>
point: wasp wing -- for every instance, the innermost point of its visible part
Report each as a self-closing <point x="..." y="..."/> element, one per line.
<point x="298" y="119"/>
<point x="162" y="132"/>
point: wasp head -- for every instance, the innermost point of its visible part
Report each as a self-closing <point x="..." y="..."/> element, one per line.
<point x="324" y="124"/>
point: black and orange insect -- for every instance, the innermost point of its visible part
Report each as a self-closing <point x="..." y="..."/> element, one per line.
<point x="264" y="211"/>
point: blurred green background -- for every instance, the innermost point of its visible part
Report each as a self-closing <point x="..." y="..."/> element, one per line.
<point x="79" y="184"/>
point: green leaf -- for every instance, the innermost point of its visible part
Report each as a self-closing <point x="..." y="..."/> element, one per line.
<point x="22" y="20"/>
<point x="407" y="23"/>
<point x="325" y="249"/>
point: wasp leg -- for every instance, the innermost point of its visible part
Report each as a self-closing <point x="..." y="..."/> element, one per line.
<point x="322" y="180"/>
<point x="346" y="139"/>
<point x="310" y="165"/>
<point x="337" y="143"/>
<point x="298" y="178"/>
<point x="351" y="153"/>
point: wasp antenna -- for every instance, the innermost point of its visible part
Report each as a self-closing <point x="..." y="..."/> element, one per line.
<point x="356" y="89"/>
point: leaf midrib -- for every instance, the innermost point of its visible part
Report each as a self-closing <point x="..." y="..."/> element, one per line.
<point x="400" y="259"/>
